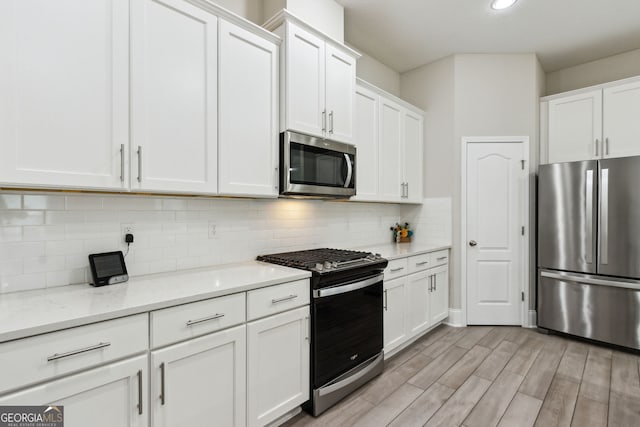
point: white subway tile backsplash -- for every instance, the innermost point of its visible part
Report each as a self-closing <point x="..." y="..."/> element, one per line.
<point x="47" y="242"/>
<point x="10" y="201"/>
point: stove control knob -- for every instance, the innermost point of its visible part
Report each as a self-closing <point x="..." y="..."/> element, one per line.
<point x="334" y="265"/>
<point x="328" y="265"/>
<point x="378" y="256"/>
<point x="319" y="267"/>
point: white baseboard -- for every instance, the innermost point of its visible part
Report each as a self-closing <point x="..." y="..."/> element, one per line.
<point x="455" y="318"/>
<point x="533" y="319"/>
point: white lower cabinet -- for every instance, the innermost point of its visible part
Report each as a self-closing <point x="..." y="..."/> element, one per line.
<point x="415" y="302"/>
<point x="201" y="381"/>
<point x="277" y="365"/>
<point x="395" y="331"/>
<point x="111" y="395"/>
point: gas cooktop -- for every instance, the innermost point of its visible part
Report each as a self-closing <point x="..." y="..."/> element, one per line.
<point x="323" y="260"/>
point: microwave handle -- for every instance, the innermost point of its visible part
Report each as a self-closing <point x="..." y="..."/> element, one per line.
<point x="347" y="182"/>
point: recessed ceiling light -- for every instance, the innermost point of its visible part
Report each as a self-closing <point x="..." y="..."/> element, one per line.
<point x="502" y="4"/>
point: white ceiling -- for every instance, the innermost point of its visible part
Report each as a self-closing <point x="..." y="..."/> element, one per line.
<point x="405" y="34"/>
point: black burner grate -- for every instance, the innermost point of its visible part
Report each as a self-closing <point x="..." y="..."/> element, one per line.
<point x="308" y="259"/>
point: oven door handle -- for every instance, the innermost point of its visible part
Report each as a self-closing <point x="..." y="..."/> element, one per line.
<point x="347" y="181"/>
<point x="336" y="290"/>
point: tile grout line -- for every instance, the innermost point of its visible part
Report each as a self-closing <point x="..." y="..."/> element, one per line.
<point x="580" y="385"/>
<point x="555" y="373"/>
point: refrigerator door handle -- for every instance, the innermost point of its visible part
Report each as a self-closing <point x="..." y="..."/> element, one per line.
<point x="604" y="216"/>
<point x="589" y="215"/>
<point x="630" y="284"/>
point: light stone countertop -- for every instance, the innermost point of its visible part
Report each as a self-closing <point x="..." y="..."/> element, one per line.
<point x="23" y="314"/>
<point x="393" y="251"/>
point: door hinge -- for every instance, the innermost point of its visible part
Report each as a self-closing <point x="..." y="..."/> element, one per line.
<point x="522" y="231"/>
<point x="522" y="295"/>
<point x="522" y="163"/>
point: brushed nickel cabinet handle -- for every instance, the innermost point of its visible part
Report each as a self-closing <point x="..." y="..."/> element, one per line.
<point x="140" y="392"/>
<point x="121" y="162"/>
<point x="386" y="302"/>
<point x="324" y="120"/>
<point x="58" y="356"/>
<point x="162" y="395"/>
<point x="139" y="163"/>
<point x="442" y="258"/>
<point x="597" y="144"/>
<point x="393" y="270"/>
<point x="205" y="319"/>
<point x="277" y="300"/>
<point x="606" y="146"/>
<point x="418" y="264"/>
<point x="331" y="122"/>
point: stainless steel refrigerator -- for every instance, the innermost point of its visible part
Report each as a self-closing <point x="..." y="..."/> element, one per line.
<point x="589" y="249"/>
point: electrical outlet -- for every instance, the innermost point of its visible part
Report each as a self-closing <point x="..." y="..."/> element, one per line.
<point x="212" y="230"/>
<point x="127" y="229"/>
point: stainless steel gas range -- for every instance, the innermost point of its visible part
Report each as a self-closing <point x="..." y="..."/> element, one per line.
<point x="346" y="320"/>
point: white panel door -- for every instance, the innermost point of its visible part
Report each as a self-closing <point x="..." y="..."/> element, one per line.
<point x="395" y="331"/>
<point x="305" y="82"/>
<point x="277" y="365"/>
<point x="112" y="395"/>
<point x="495" y="182"/>
<point x="575" y="127"/>
<point x="340" y="91"/>
<point x="64" y="93"/>
<point x="201" y="381"/>
<point x="174" y="97"/>
<point x="390" y="163"/>
<point x="418" y="318"/>
<point x="412" y="155"/>
<point x="621" y="115"/>
<point x="366" y="141"/>
<point x="439" y="296"/>
<point x="248" y="103"/>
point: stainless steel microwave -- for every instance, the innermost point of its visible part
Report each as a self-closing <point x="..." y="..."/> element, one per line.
<point x="311" y="166"/>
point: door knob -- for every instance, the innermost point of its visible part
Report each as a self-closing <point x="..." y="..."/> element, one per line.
<point x="472" y="243"/>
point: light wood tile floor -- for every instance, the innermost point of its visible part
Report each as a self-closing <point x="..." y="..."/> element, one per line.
<point x="494" y="376"/>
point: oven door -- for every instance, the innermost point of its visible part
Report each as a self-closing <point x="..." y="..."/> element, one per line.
<point x="347" y="327"/>
<point x="315" y="166"/>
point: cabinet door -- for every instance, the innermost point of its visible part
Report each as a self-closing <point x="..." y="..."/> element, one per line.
<point x="418" y="303"/>
<point x="439" y="297"/>
<point x="277" y="365"/>
<point x="201" y="381"/>
<point x="174" y="99"/>
<point x="390" y="161"/>
<point x="412" y="155"/>
<point x="575" y="127"/>
<point x="621" y="117"/>
<point x="113" y="395"/>
<point x="305" y="82"/>
<point x="248" y="102"/>
<point x="340" y="90"/>
<point x="64" y="93"/>
<point x="395" y="331"/>
<point x="366" y="141"/>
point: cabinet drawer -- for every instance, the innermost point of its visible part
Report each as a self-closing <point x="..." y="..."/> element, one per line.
<point x="191" y="320"/>
<point x="275" y="299"/>
<point x="30" y="360"/>
<point x="439" y="258"/>
<point x="419" y="263"/>
<point x="396" y="268"/>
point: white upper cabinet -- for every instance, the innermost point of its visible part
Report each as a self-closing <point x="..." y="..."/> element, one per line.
<point x="317" y="81"/>
<point x="412" y="154"/>
<point x="174" y="99"/>
<point x="390" y="173"/>
<point x="621" y="120"/>
<point x="64" y="93"/>
<point x="575" y="127"/>
<point x="304" y="90"/>
<point x="366" y="140"/>
<point x="340" y="89"/>
<point x="598" y="123"/>
<point x="248" y="120"/>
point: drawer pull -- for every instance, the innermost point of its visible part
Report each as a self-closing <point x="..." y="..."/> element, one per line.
<point x="205" y="319"/>
<point x="393" y="270"/>
<point x="162" y="396"/>
<point x="421" y="263"/>
<point x="57" y="356"/>
<point x="290" y="297"/>
<point x="140" y="392"/>
<point x="442" y="258"/>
